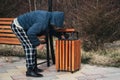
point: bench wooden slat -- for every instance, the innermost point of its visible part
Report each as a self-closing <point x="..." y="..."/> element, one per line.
<point x="5" y="27"/>
<point x="5" y="23"/>
<point x="7" y="35"/>
<point x="9" y="41"/>
<point x="13" y="41"/>
<point x="13" y="35"/>
<point x="6" y="19"/>
<point x="6" y="31"/>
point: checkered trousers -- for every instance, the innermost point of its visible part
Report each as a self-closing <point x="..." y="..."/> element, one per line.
<point x="29" y="50"/>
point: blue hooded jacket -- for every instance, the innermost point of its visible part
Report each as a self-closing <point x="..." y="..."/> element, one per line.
<point x="36" y="23"/>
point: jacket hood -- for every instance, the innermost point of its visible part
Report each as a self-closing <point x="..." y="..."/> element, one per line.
<point x="57" y="18"/>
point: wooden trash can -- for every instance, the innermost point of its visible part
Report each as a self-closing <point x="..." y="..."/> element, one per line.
<point x="68" y="54"/>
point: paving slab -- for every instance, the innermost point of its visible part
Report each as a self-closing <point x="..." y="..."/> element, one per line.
<point x="19" y="77"/>
<point x="16" y="71"/>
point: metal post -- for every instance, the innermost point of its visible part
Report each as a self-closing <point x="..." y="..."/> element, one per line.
<point x="47" y="45"/>
<point x="50" y="5"/>
<point x="49" y="39"/>
<point x="52" y="49"/>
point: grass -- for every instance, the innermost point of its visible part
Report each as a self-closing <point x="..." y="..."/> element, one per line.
<point x="11" y="50"/>
<point x="14" y="50"/>
<point x="108" y="57"/>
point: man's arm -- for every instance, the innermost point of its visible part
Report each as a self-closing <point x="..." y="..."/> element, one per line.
<point x="33" y="32"/>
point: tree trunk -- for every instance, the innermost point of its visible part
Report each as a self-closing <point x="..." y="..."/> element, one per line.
<point x="35" y="5"/>
<point x="30" y="7"/>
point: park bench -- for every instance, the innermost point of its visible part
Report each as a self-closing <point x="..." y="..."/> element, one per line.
<point x="7" y="37"/>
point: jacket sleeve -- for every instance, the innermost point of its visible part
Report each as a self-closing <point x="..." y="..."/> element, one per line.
<point x="33" y="31"/>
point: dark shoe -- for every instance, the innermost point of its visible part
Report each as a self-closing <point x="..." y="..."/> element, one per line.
<point x="38" y="70"/>
<point x="31" y="73"/>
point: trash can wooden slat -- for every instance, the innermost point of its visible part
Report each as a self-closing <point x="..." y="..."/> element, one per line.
<point x="68" y="55"/>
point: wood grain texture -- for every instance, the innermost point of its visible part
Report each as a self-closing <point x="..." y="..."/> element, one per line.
<point x="6" y="34"/>
<point x="68" y="55"/>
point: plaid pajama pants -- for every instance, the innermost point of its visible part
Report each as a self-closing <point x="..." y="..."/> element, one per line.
<point x="30" y="51"/>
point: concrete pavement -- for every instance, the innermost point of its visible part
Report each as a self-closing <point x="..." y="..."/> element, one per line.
<point x="15" y="70"/>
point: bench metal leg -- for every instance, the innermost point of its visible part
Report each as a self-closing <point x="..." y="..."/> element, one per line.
<point x="41" y="63"/>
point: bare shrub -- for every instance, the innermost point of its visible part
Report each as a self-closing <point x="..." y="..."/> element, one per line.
<point x="100" y="21"/>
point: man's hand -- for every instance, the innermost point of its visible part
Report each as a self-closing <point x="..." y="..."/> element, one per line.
<point x="41" y="46"/>
<point x="62" y="36"/>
